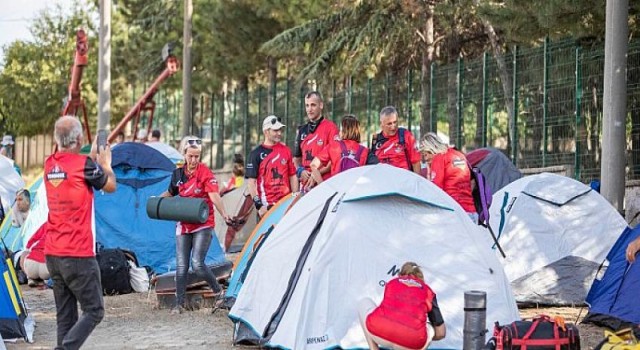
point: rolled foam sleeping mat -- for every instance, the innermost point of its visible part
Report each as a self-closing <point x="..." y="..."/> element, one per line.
<point x="183" y="209"/>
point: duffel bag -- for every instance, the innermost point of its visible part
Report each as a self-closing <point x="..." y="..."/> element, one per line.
<point x="540" y="333"/>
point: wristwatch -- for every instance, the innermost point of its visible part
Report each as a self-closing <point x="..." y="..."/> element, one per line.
<point x="257" y="202"/>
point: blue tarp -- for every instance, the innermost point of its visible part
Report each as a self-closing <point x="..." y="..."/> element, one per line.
<point x="614" y="299"/>
<point x="121" y="217"/>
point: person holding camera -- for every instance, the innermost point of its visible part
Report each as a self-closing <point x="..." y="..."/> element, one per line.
<point x="69" y="246"/>
<point x="195" y="180"/>
<point x="270" y="172"/>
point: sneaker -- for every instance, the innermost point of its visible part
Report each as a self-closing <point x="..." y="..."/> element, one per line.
<point x="176" y="310"/>
<point x="32" y="283"/>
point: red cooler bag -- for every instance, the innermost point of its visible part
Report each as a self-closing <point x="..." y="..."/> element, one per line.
<point x="541" y="333"/>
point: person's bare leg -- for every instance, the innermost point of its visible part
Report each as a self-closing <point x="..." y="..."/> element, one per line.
<point x="365" y="306"/>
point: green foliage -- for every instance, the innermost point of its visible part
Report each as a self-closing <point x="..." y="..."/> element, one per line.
<point x="529" y="22"/>
<point x="34" y="79"/>
<point x="357" y="37"/>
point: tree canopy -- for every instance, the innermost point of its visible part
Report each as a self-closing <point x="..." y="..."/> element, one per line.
<point x="249" y="40"/>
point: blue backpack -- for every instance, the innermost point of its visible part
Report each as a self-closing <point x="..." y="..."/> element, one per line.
<point x="349" y="160"/>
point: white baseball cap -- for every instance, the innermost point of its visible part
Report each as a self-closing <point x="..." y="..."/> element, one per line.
<point x="7" y="140"/>
<point x="272" y="122"/>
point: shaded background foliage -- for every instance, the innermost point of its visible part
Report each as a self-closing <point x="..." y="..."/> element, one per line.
<point x="244" y="50"/>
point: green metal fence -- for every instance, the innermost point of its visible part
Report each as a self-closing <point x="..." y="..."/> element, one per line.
<point x="555" y="92"/>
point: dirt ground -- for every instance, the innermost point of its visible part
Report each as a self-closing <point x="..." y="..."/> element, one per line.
<point x="133" y="322"/>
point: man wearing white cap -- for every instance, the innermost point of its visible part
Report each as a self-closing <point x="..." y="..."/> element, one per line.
<point x="270" y="172"/>
<point x="7" y="146"/>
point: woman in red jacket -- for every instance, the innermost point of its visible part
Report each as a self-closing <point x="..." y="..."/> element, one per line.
<point x="348" y="146"/>
<point x="449" y="170"/>
<point x="408" y="316"/>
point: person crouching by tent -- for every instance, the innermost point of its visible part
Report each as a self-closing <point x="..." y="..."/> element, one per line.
<point x="194" y="180"/>
<point x="32" y="262"/>
<point x="349" y="143"/>
<point x="408" y="316"/>
<point x="449" y="170"/>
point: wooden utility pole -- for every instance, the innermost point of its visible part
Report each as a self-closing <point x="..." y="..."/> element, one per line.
<point x="614" y="147"/>
<point x="186" y="68"/>
<point x="104" y="66"/>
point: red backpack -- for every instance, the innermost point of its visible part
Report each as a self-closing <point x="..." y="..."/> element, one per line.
<point x="349" y="160"/>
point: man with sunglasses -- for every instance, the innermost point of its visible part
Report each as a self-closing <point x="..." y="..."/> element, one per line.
<point x="312" y="138"/>
<point x="270" y="172"/>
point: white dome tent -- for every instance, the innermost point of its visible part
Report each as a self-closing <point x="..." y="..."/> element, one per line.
<point x="555" y="232"/>
<point x="343" y="240"/>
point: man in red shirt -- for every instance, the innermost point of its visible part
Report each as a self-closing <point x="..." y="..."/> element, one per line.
<point x="70" y="240"/>
<point x="393" y="145"/>
<point x="270" y="172"/>
<point x="313" y="137"/>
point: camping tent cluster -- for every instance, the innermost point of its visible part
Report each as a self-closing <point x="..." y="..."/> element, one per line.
<point x="556" y="233"/>
<point x="120" y="217"/>
<point x="312" y="259"/>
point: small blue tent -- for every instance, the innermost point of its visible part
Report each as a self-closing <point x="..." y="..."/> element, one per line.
<point x="121" y="217"/>
<point x="613" y="299"/>
<point x="12" y="309"/>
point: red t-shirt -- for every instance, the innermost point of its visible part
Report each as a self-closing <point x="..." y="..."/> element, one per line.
<point x="195" y="185"/>
<point x="389" y="150"/>
<point x="450" y="172"/>
<point x="333" y="154"/>
<point x="401" y="317"/>
<point x="68" y="178"/>
<point x="36" y="244"/>
<point x="313" y="138"/>
<point x="272" y="167"/>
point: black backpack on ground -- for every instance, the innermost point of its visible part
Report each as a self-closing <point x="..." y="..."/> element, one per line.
<point x="114" y="270"/>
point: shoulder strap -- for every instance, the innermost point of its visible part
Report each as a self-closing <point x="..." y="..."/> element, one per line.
<point x="343" y="148"/>
<point x="359" y="152"/>
<point x="375" y="140"/>
<point x="406" y="149"/>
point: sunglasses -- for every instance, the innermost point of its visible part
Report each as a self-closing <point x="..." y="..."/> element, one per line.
<point x="275" y="120"/>
<point x="194" y="142"/>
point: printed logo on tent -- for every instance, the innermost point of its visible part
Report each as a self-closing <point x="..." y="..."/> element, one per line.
<point x="318" y="340"/>
<point x="393" y="271"/>
<point x="56" y="175"/>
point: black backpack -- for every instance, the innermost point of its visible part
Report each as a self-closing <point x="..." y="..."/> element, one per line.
<point x="114" y="271"/>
